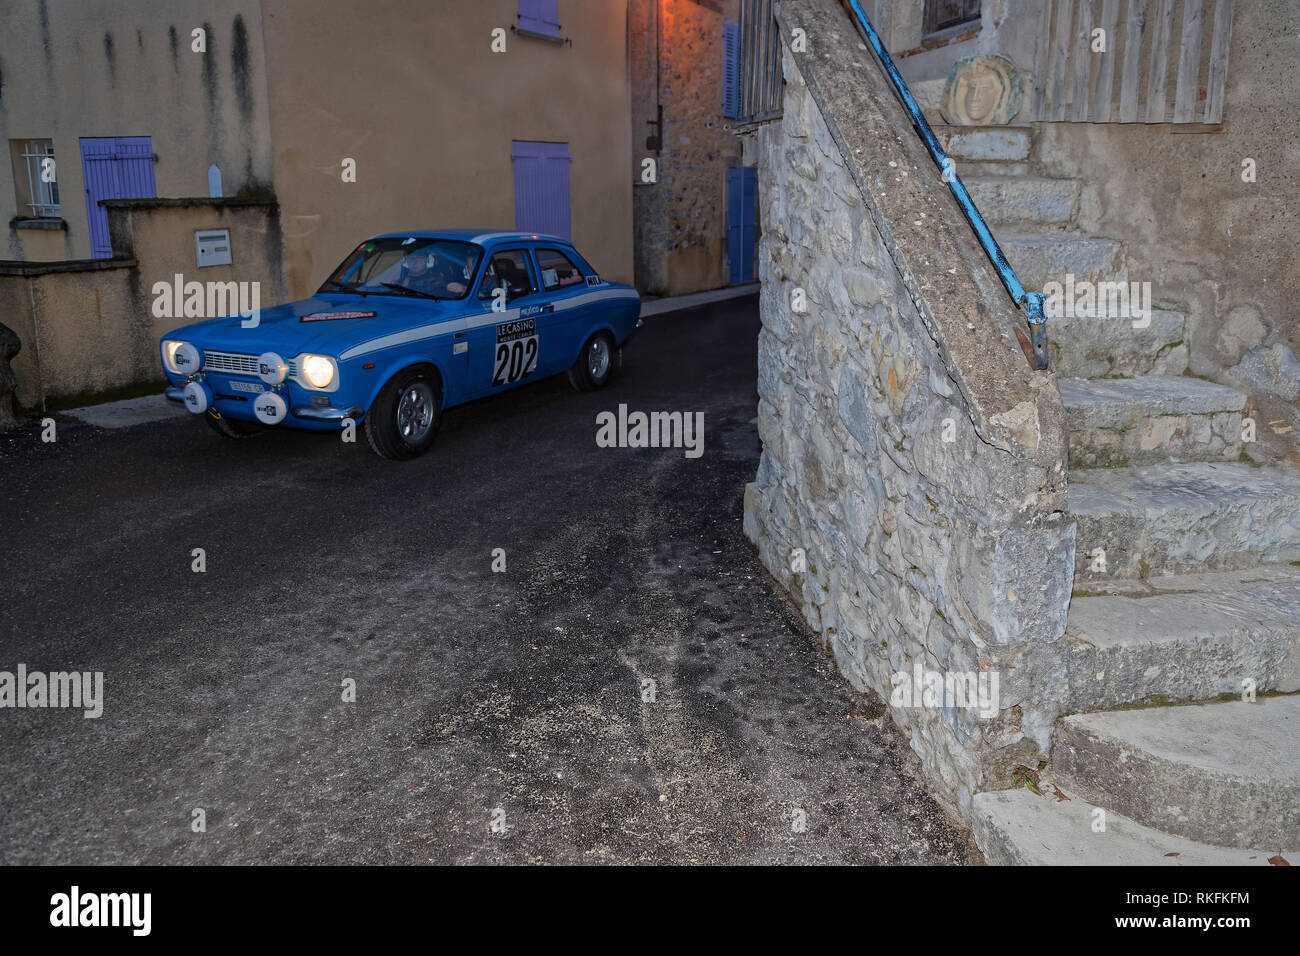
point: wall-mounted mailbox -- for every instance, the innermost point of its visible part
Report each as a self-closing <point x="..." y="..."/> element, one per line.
<point x="213" y="247"/>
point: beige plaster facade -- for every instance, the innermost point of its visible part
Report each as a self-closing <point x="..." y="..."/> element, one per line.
<point x="286" y="90"/>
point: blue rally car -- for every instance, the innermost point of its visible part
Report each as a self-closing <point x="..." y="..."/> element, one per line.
<point x="410" y="324"/>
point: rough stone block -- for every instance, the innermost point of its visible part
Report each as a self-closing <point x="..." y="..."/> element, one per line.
<point x="995" y="143"/>
<point x="1021" y="828"/>
<point x="1133" y="421"/>
<point x="1185" y="637"/>
<point x="1041" y="259"/>
<point x="1025" y="200"/>
<point x="1204" y="516"/>
<point x="1223" y="773"/>
<point x="1100" y="345"/>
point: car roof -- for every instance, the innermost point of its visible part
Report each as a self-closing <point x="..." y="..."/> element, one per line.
<point x="478" y="236"/>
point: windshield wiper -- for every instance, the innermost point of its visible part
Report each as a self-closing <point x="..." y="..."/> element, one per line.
<point x="346" y="287"/>
<point x="407" y="291"/>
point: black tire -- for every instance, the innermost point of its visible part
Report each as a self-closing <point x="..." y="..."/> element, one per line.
<point x="415" y="393"/>
<point x="595" y="364"/>
<point x="230" y="427"/>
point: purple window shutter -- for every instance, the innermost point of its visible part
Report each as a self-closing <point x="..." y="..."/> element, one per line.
<point x="98" y="173"/>
<point x="540" y="16"/>
<point x="135" y="166"/>
<point x="114" y="168"/>
<point x="541" y="174"/>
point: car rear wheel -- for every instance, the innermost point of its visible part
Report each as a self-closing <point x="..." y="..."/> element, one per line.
<point x="403" y="421"/>
<point x="231" y="428"/>
<point x="595" y="363"/>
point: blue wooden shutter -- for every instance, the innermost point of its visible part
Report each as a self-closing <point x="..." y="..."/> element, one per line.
<point x="742" y="210"/>
<point x="540" y="16"/>
<point x="114" y="168"/>
<point x="730" y="70"/>
<point x="541" y="174"/>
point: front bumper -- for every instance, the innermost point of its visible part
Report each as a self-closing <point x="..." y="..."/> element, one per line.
<point x="314" y="413"/>
<point x="310" y="413"/>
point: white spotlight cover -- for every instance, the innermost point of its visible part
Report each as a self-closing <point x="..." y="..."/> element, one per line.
<point x="271" y="368"/>
<point x="270" y="408"/>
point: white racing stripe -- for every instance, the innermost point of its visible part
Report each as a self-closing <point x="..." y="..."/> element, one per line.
<point x="474" y="320"/>
<point x="433" y="330"/>
<point x="595" y="296"/>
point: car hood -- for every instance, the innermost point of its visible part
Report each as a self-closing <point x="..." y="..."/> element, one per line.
<point x="281" y="329"/>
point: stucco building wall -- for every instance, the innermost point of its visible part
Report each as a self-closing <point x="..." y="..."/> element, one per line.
<point x="413" y="93"/>
<point x="80" y="329"/>
<point x="98" y="68"/>
<point x="431" y="121"/>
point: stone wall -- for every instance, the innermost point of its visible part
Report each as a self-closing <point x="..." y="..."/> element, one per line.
<point x="681" y="220"/>
<point x="911" y="486"/>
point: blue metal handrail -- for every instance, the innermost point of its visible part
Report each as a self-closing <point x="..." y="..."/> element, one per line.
<point x="1035" y="346"/>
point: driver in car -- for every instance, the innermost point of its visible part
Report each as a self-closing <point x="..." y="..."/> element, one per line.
<point x="426" y="271"/>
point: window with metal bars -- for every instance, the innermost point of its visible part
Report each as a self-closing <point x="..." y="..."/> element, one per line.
<point x="40" y="175"/>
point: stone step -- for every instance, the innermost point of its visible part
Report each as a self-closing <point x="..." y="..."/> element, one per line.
<point x="1152" y="418"/>
<point x="1091" y="346"/>
<point x="1025" y="200"/>
<point x="1184" y="637"/>
<point x="1225" y="773"/>
<point x="1205" y="516"/>
<point x="986" y="143"/>
<point x="1021" y="828"/>
<point x="1040" y="259"/>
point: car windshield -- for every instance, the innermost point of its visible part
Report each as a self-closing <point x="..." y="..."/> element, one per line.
<point x="413" y="266"/>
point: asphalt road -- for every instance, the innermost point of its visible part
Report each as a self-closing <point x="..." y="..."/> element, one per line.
<point x="512" y="697"/>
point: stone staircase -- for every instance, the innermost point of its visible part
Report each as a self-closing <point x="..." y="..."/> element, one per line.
<point x="1187" y="580"/>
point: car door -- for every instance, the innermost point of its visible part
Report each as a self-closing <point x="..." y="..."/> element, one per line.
<point x="507" y="344"/>
<point x="565" y="288"/>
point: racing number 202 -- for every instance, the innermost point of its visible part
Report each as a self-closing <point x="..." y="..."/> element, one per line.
<point x="514" y="360"/>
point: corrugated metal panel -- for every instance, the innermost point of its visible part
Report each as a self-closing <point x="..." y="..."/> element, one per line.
<point x="541" y="174"/>
<point x="1148" y="43"/>
<point x="759" y="64"/>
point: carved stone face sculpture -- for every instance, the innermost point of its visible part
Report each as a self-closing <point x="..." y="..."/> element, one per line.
<point x="982" y="91"/>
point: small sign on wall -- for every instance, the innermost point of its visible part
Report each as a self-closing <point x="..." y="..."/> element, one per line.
<point x="213" y="247"/>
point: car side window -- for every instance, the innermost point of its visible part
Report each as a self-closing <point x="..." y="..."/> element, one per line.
<point x="558" y="269"/>
<point x="508" y="269"/>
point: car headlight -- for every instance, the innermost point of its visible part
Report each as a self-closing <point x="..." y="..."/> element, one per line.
<point x="318" y="370"/>
<point x="181" y="357"/>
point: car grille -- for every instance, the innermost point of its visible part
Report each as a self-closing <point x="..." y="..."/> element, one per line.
<point x="237" y="363"/>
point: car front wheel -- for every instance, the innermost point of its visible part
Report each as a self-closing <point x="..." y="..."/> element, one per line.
<point x="403" y="421"/>
<point x="595" y="363"/>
